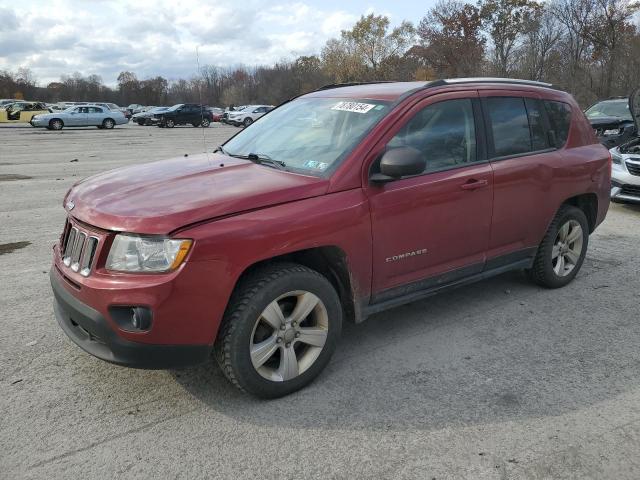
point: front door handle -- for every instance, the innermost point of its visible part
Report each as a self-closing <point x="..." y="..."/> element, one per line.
<point x="474" y="184"/>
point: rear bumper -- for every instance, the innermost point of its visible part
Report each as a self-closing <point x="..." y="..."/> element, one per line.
<point x="88" y="329"/>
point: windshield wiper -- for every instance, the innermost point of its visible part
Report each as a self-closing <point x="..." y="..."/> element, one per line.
<point x="262" y="159"/>
<point x="259" y="158"/>
<point x="221" y="150"/>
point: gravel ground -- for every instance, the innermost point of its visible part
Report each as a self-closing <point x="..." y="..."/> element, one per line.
<point x="501" y="379"/>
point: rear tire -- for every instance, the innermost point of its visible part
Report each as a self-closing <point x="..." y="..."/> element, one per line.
<point x="247" y="121"/>
<point x="562" y="250"/>
<point x="279" y="331"/>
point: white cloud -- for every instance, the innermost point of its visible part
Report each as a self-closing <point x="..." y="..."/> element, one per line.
<point x="159" y="37"/>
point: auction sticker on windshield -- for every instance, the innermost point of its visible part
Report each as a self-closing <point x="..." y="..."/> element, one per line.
<point x="353" y="107"/>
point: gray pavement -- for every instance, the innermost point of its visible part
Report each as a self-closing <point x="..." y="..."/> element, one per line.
<point x="500" y="379"/>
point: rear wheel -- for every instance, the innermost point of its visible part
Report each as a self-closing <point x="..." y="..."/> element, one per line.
<point x="56" y="124"/>
<point x="280" y="330"/>
<point x="247" y="121"/>
<point x="108" y="123"/>
<point x="562" y="250"/>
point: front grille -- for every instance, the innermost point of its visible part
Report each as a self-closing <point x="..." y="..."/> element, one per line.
<point x="78" y="249"/>
<point x="633" y="167"/>
<point x="633" y="190"/>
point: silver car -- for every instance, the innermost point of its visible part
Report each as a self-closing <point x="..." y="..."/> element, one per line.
<point x="80" y="116"/>
<point x="625" y="168"/>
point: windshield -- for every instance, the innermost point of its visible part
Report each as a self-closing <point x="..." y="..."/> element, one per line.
<point x="610" y="109"/>
<point x="159" y="109"/>
<point x="310" y="135"/>
<point x="175" y="107"/>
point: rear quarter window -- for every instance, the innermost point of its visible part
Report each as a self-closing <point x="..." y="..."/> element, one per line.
<point x="559" y="114"/>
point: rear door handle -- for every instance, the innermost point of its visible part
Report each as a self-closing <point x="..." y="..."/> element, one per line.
<point x="474" y="184"/>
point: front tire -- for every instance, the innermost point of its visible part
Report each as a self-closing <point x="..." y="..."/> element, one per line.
<point x="562" y="250"/>
<point x="280" y="330"/>
<point x="169" y="123"/>
<point x="108" y="123"/>
<point x="56" y="124"/>
<point x="205" y="123"/>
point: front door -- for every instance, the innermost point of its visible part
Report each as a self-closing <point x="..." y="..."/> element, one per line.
<point x="77" y="117"/>
<point x="434" y="227"/>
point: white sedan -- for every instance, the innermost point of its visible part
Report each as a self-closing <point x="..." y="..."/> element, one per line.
<point x="247" y="115"/>
<point x="80" y="116"/>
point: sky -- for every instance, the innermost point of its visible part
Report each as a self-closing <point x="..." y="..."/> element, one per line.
<point x="160" y="37"/>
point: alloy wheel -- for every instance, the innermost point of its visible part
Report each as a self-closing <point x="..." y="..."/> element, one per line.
<point x="567" y="248"/>
<point x="289" y="336"/>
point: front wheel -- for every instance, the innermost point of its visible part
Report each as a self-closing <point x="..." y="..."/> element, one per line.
<point x="108" y="124"/>
<point x="280" y="330"/>
<point x="205" y="122"/>
<point x="562" y="250"/>
<point x="56" y="124"/>
<point x="169" y="123"/>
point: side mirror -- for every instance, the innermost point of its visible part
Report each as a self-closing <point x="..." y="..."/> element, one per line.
<point x="399" y="162"/>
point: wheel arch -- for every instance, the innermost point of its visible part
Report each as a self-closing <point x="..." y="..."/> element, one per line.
<point x="588" y="203"/>
<point x="330" y="261"/>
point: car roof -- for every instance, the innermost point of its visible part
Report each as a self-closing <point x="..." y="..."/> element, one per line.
<point x="392" y="91"/>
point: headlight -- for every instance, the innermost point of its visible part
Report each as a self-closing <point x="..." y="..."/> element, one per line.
<point x="136" y="253"/>
<point x="615" y="158"/>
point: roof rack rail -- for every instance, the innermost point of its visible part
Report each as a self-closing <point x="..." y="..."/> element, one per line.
<point x="516" y="81"/>
<point x="351" y="84"/>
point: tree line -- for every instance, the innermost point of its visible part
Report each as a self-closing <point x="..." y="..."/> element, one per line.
<point x="590" y="48"/>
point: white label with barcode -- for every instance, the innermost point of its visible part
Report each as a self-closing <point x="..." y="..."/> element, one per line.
<point x="353" y="107"/>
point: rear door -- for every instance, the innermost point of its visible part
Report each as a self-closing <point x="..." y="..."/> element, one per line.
<point x="523" y="160"/>
<point x="434" y="227"/>
<point x="95" y="115"/>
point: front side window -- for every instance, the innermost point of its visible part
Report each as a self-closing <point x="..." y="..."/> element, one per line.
<point x="509" y="125"/>
<point x="309" y="135"/>
<point x="444" y="132"/>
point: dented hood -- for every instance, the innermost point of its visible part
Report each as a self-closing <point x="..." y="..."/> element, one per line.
<point x="159" y="197"/>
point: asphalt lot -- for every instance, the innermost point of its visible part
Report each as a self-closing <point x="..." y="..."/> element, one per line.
<point x="501" y="379"/>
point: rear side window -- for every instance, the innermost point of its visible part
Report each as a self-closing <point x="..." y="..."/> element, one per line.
<point x="509" y="125"/>
<point x="559" y="114"/>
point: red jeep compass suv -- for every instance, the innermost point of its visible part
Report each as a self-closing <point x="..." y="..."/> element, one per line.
<point x="336" y="205"/>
